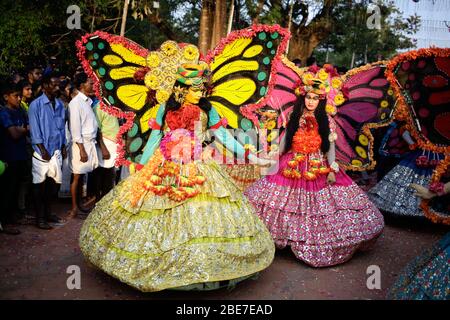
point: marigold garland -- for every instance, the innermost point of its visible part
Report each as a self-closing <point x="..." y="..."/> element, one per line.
<point x="166" y="178"/>
<point x="307" y="139"/>
<point x="355" y="71"/>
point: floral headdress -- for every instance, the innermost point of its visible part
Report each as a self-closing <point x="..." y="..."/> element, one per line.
<point x="193" y="75"/>
<point x="326" y="82"/>
<point x="173" y="63"/>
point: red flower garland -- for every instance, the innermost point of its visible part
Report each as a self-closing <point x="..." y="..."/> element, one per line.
<point x="183" y="118"/>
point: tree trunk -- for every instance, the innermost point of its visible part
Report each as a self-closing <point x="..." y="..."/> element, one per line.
<point x="302" y="48"/>
<point x="305" y="39"/>
<point x="291" y="8"/>
<point x="220" y="23"/>
<point x="124" y="18"/>
<point x="206" y="26"/>
<point x="230" y="17"/>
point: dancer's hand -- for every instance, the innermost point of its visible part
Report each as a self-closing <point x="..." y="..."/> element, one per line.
<point x="331" y="178"/>
<point x="422" y="192"/>
<point x="265" y="162"/>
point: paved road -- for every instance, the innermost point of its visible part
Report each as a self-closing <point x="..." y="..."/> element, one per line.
<point x="33" y="266"/>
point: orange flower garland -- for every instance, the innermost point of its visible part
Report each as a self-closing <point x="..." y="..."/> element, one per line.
<point x="165" y="178"/>
<point x="307" y="139"/>
<point x="305" y="143"/>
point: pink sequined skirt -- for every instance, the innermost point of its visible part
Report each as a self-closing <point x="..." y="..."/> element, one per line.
<point x="323" y="224"/>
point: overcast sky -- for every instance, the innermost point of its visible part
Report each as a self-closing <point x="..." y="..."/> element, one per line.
<point x="434" y="15"/>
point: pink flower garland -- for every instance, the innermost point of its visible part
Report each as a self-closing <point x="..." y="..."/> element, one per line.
<point x="249" y="110"/>
<point x="179" y="137"/>
<point x="110" y="109"/>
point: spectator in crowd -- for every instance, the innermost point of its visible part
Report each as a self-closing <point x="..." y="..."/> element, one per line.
<point x="83" y="131"/>
<point x="34" y="77"/>
<point x="104" y="176"/>
<point x="27" y="94"/>
<point x="47" y="123"/>
<point x="14" y="127"/>
<point x="52" y="66"/>
<point x="16" y="77"/>
<point x="297" y="62"/>
<point x="311" y="61"/>
<point x="25" y="185"/>
<point x="68" y="92"/>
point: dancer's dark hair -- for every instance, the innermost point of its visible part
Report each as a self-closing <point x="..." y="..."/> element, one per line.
<point x="321" y="118"/>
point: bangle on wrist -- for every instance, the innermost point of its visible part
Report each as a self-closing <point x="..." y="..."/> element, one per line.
<point x="334" y="167"/>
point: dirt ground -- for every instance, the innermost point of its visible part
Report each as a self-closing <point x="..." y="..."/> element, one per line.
<point x="33" y="265"/>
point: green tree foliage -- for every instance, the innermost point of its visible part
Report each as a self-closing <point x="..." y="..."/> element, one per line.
<point x="33" y="30"/>
<point x="20" y="35"/>
<point x="351" y="34"/>
<point x="174" y="19"/>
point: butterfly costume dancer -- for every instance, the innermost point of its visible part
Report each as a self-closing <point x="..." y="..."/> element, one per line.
<point x="323" y="223"/>
<point x="178" y="222"/>
<point x="427" y="277"/>
<point x="421" y="80"/>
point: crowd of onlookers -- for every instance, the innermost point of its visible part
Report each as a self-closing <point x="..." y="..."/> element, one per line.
<point x="53" y="135"/>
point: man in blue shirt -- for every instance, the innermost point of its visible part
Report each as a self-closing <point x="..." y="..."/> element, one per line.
<point x="14" y="128"/>
<point x="47" y="118"/>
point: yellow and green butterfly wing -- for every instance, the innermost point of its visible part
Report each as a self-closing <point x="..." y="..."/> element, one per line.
<point x="241" y="68"/>
<point x="115" y="64"/>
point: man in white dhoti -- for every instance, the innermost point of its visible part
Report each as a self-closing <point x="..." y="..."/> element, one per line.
<point x="105" y="175"/>
<point x="47" y="119"/>
<point x="83" y="130"/>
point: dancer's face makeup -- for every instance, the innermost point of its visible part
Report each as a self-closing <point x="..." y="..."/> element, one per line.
<point x="311" y="101"/>
<point x="193" y="96"/>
